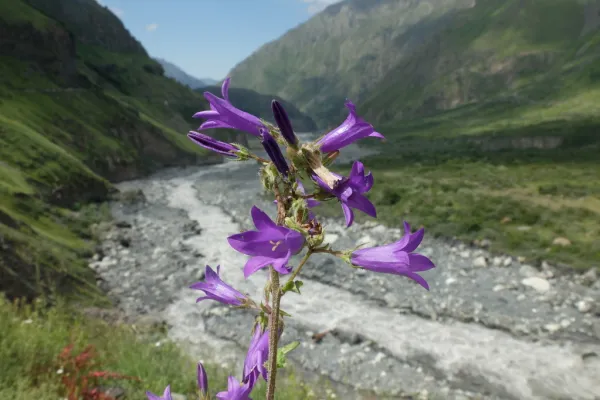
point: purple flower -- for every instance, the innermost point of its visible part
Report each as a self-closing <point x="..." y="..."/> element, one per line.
<point x="166" y="395"/>
<point x="202" y="380"/>
<point x="257" y="356"/>
<point x="351" y="130"/>
<point x="236" y="390"/>
<point x="213" y="144"/>
<point x="216" y="289"/>
<point x="283" y="122"/>
<point x="223" y="114"/>
<point x="350" y="192"/>
<point x="396" y="258"/>
<point x="274" y="152"/>
<point x="270" y="244"/>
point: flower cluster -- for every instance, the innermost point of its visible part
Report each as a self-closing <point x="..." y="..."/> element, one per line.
<point x="296" y="229"/>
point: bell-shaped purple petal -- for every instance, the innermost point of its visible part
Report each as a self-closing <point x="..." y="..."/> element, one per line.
<point x="352" y="129"/>
<point x="350" y="192"/>
<point x="223" y="114"/>
<point x="166" y="395"/>
<point x="257" y="356"/>
<point x="236" y="390"/>
<point x="216" y="289"/>
<point x="274" y="152"/>
<point x="202" y="379"/>
<point x="396" y="258"/>
<point x="215" y="145"/>
<point x="270" y="244"/>
<point x="283" y="122"/>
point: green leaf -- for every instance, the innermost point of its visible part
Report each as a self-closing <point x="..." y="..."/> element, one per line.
<point x="281" y="353"/>
<point x="292" y="286"/>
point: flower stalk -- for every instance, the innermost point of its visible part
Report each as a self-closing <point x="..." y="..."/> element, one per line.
<point x="273" y="243"/>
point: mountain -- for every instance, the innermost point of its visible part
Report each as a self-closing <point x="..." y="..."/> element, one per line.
<point x="342" y="52"/>
<point x="500" y="55"/>
<point x="247" y="100"/>
<point x="401" y="59"/>
<point x="210" y="81"/>
<point x="173" y="71"/>
<point x="81" y="105"/>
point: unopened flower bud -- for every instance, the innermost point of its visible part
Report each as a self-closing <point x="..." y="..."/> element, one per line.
<point x="274" y="152"/>
<point x="284" y="124"/>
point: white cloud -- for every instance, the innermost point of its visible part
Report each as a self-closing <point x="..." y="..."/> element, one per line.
<point x="151" y="27"/>
<point x="315" y="6"/>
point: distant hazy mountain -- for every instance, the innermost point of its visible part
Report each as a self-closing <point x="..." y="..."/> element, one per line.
<point x="173" y="71"/>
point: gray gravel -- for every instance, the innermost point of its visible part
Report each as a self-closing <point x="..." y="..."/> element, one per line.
<point x="490" y="328"/>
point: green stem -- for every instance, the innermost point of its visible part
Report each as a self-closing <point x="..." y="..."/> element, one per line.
<point x="299" y="267"/>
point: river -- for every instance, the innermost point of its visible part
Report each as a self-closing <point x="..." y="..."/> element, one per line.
<point x="490" y="327"/>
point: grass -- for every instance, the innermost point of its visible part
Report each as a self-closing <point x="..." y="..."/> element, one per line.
<point x="31" y="338"/>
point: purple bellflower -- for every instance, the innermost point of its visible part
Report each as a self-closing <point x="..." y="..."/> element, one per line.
<point x="350" y="192"/>
<point x="202" y="380"/>
<point x="215" y="145"/>
<point x="352" y="129"/>
<point x="257" y="356"/>
<point x="166" y="395"/>
<point x="283" y="122"/>
<point x="396" y="258"/>
<point x="223" y="114"/>
<point x="236" y="390"/>
<point x="216" y="289"/>
<point x="274" y="152"/>
<point x="270" y="244"/>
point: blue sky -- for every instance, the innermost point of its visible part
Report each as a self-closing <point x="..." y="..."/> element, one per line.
<point x="206" y="38"/>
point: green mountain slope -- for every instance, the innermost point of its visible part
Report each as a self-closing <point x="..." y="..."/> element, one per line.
<point x="81" y="104"/>
<point x="173" y="71"/>
<point x="341" y="52"/>
<point x="497" y="56"/>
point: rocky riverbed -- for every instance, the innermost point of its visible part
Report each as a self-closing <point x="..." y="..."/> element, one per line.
<point x="491" y="327"/>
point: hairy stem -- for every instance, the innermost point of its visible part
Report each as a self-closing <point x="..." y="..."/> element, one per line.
<point x="274" y="318"/>
<point x="273" y="334"/>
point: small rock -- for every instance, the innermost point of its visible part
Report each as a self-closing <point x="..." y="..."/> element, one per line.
<point x="552" y="327"/>
<point x="485" y="243"/>
<point x="450" y="281"/>
<point x="541" y="285"/>
<point x="497" y="261"/>
<point x="565" y="323"/>
<point x="523" y="228"/>
<point x="528" y="271"/>
<point x="590" y="277"/>
<point x="506" y="220"/>
<point x="366" y="241"/>
<point x="561" y="241"/>
<point x="498" y="288"/>
<point x="480" y="262"/>
<point x="507" y="261"/>
<point x="331" y="238"/>
<point x="521" y="259"/>
<point x="465" y="254"/>
<point x="583" y="306"/>
<point x="378" y="230"/>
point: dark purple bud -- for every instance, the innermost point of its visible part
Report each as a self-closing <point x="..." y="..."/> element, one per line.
<point x="283" y="122"/>
<point x="202" y="380"/>
<point x="215" y="145"/>
<point x="274" y="152"/>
